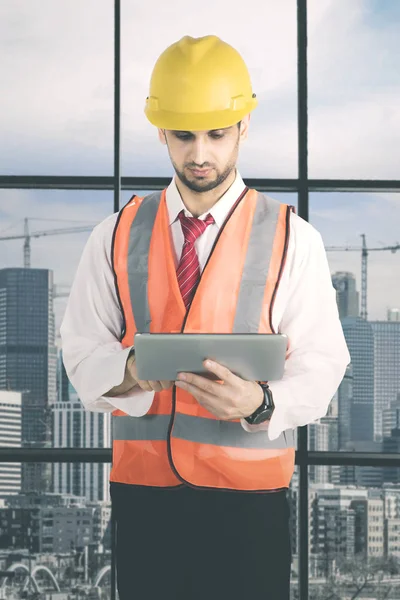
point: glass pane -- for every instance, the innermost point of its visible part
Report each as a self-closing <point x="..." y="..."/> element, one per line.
<point x="354" y="541"/>
<point x="270" y="52"/>
<point x="364" y="415"/>
<point x="354" y="78"/>
<point x="32" y="305"/>
<point x="63" y="542"/>
<point x="57" y="79"/>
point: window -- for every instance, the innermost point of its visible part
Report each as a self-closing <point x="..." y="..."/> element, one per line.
<point x="354" y="76"/>
<point x="363" y="413"/>
<point x="58" y="76"/>
<point x="270" y="53"/>
<point x="59" y="126"/>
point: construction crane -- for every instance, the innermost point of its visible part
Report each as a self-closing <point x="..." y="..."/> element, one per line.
<point x="27" y="235"/>
<point x="364" y="266"/>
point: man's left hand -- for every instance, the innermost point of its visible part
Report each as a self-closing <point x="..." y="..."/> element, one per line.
<point x="229" y="398"/>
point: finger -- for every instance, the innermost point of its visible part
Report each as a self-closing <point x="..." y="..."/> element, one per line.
<point x="156" y="386"/>
<point x="209" y="401"/>
<point x="166" y="385"/>
<point x="222" y="372"/>
<point x="201" y="383"/>
<point x="192" y="389"/>
<point x="207" y="391"/>
<point x="145" y="385"/>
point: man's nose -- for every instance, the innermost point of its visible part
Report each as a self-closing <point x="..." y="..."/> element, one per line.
<point x="199" y="153"/>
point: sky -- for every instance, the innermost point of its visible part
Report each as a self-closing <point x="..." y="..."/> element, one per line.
<point x="56" y="115"/>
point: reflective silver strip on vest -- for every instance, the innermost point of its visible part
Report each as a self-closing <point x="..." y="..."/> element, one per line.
<point x="256" y="267"/>
<point x="138" y="260"/>
<point x="254" y="276"/>
<point x="197" y="429"/>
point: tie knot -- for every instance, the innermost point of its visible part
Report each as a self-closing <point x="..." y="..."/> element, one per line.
<point x="192" y="227"/>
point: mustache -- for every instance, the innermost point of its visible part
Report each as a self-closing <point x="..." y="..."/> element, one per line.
<point x="203" y="166"/>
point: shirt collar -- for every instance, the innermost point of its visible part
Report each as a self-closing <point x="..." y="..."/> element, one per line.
<point x="220" y="209"/>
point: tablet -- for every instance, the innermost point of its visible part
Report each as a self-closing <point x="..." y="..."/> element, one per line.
<point x="253" y="356"/>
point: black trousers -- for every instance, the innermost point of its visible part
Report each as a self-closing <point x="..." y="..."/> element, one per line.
<point x="188" y="544"/>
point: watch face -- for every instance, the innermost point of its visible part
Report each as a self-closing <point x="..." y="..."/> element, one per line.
<point x="265" y="415"/>
<point x="264" y="412"/>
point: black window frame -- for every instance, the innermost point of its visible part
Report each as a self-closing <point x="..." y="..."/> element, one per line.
<point x="302" y="186"/>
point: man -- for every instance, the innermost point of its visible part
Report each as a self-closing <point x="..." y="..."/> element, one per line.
<point x="199" y="513"/>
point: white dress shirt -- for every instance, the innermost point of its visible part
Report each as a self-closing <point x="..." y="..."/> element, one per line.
<point x="305" y="309"/>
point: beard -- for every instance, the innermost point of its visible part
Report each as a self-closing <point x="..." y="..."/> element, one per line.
<point x="207" y="184"/>
<point x="200" y="186"/>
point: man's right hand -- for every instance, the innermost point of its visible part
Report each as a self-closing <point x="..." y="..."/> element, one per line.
<point x="147" y="386"/>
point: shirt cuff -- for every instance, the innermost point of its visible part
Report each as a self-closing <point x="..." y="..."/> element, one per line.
<point x="277" y="423"/>
<point x="135" y="402"/>
<point x="280" y="419"/>
<point x="253" y="428"/>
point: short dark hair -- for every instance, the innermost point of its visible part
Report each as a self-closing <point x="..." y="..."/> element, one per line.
<point x="239" y="124"/>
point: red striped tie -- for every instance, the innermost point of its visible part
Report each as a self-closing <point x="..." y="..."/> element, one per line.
<point x="188" y="270"/>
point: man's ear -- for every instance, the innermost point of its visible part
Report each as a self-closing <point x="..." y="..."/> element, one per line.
<point x="244" y="128"/>
<point x="162" y="136"/>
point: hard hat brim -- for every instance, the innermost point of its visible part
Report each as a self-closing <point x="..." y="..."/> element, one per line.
<point x="198" y="121"/>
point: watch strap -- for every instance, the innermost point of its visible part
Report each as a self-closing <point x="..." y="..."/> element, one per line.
<point x="265" y="410"/>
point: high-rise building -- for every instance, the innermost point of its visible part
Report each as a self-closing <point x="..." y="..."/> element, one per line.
<point x="370" y="524"/>
<point x="392" y="445"/>
<point x="393" y="314"/>
<point x="391" y="496"/>
<point x="318" y="441"/>
<point x="10" y="436"/>
<point x="347" y="297"/>
<point x="345" y="522"/>
<point x="323" y="437"/>
<point x="75" y="427"/>
<point x="360" y="341"/>
<point x="331" y="526"/>
<point x="28" y="358"/>
<point x="391" y="418"/>
<point x="59" y="524"/>
<point x="362" y="476"/>
<point x="387" y="369"/>
<point x="391" y="535"/>
<point x="345" y="399"/>
<point x="293" y="499"/>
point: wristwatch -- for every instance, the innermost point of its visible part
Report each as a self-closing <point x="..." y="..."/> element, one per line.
<point x="263" y="412"/>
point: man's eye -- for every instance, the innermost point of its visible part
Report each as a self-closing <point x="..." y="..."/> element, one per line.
<point x="216" y="136"/>
<point x="183" y="136"/>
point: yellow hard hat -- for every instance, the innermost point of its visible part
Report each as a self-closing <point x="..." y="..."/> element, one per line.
<point x="199" y="84"/>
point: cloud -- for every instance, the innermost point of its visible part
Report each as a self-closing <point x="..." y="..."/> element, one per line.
<point x="60" y="253"/>
<point x="341" y="219"/>
<point x="58" y="69"/>
<point x="354" y="88"/>
<point x="56" y="117"/>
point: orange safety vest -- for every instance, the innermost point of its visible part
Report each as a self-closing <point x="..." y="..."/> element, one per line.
<point x="178" y="441"/>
